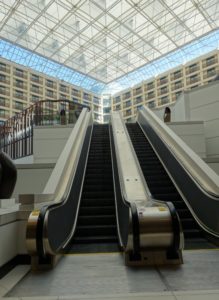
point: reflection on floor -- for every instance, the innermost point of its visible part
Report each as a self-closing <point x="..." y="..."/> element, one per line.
<point x="95" y="275"/>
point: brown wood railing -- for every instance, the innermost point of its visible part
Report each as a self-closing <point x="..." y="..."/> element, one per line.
<point x="16" y="134"/>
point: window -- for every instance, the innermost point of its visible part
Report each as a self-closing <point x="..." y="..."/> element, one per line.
<point x="19" y="83"/>
<point x="127" y="95"/>
<point x="127" y="104"/>
<point x="177" y="73"/>
<point x="211" y="72"/>
<point x="151" y="95"/>
<point x="35" y="88"/>
<point x="19" y="72"/>
<point x="49" y="93"/>
<point x="2" y="67"/>
<point x="151" y="104"/>
<point x="63" y="88"/>
<point x="49" y="83"/>
<point x="164" y="100"/>
<point x="19" y="94"/>
<point x="2" y="90"/>
<point x="2" y="101"/>
<point x="96" y="100"/>
<point x="35" y="98"/>
<point x="150" y="85"/>
<point x="35" y="78"/>
<point x="106" y="110"/>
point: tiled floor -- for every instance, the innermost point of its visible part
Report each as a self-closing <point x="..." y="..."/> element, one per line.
<point x="104" y="276"/>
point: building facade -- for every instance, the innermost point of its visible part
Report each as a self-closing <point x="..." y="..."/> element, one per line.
<point x="166" y="87"/>
<point x="21" y="87"/>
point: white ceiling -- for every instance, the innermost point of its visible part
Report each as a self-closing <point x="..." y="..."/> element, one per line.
<point x="106" y="39"/>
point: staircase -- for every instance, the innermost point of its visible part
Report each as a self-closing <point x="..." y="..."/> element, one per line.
<point x="96" y="229"/>
<point x="162" y="188"/>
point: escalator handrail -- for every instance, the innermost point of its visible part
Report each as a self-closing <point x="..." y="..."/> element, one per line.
<point x="64" y="189"/>
<point x="199" y="170"/>
<point x="126" y="212"/>
<point x="203" y="206"/>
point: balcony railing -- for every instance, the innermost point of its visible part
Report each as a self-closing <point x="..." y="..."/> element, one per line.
<point x="176" y="76"/>
<point x="150" y="87"/>
<point x="64" y="89"/>
<point x="4" y="69"/>
<point x="210" y="74"/>
<point x="76" y="93"/>
<point x="4" y="114"/>
<point x="162" y="91"/>
<point x="126" y="96"/>
<point x="209" y="62"/>
<point x="20" y="74"/>
<point x="162" y="81"/>
<point x="192" y="80"/>
<point x="176" y="86"/>
<point x="137" y="92"/>
<point x="4" y="92"/>
<point x="4" y="80"/>
<point x="4" y="103"/>
<point x="51" y="85"/>
<point x="16" y="134"/>
<point x="192" y="70"/>
<point x="20" y="96"/>
<point x="36" y="80"/>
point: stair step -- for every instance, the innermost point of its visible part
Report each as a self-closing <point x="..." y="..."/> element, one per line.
<point x="97" y="202"/>
<point x="97" y="210"/>
<point x="96" y="239"/>
<point x="97" y="219"/>
<point x="95" y="230"/>
<point x="192" y="233"/>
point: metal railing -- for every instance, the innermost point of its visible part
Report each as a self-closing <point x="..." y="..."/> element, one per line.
<point x="16" y="134"/>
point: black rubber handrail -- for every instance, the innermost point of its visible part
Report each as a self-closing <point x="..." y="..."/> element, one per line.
<point x="123" y="209"/>
<point x="204" y="207"/>
<point x="62" y="216"/>
<point x="8" y="176"/>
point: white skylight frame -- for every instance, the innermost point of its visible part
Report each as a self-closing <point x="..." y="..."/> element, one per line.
<point x="106" y="45"/>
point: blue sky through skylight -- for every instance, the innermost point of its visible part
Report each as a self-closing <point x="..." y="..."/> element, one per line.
<point x="178" y="57"/>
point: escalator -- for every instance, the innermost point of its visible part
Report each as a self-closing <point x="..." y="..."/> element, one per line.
<point x="95" y="205"/>
<point x="96" y="229"/>
<point x="162" y="187"/>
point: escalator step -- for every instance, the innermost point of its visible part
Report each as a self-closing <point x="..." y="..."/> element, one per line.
<point x="97" y="202"/>
<point x="158" y="181"/>
<point x="184" y="213"/>
<point x="107" y="187"/>
<point x="188" y="223"/>
<point x="97" y="210"/>
<point x="192" y="233"/>
<point x="97" y="219"/>
<point x="96" y="239"/>
<point x="96" y="230"/>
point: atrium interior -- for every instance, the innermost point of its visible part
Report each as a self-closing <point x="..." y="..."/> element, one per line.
<point x="109" y="149"/>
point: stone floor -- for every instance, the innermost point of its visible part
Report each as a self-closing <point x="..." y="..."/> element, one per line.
<point x="104" y="276"/>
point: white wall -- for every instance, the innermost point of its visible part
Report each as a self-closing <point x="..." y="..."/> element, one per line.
<point x="32" y="178"/>
<point x="200" y="104"/>
<point x="24" y="160"/>
<point x="8" y="237"/>
<point x="204" y="105"/>
<point x="48" y="142"/>
<point x="213" y="163"/>
<point x="192" y="133"/>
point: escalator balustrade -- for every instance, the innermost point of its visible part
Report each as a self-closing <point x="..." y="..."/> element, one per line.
<point x="96" y="226"/>
<point x="162" y="187"/>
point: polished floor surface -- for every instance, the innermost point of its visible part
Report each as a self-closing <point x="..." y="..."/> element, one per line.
<point x="104" y="276"/>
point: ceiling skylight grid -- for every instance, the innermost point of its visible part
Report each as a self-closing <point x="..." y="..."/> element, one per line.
<point x="106" y="39"/>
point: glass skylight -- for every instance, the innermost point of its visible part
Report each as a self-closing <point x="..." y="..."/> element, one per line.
<point x="106" y="45"/>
